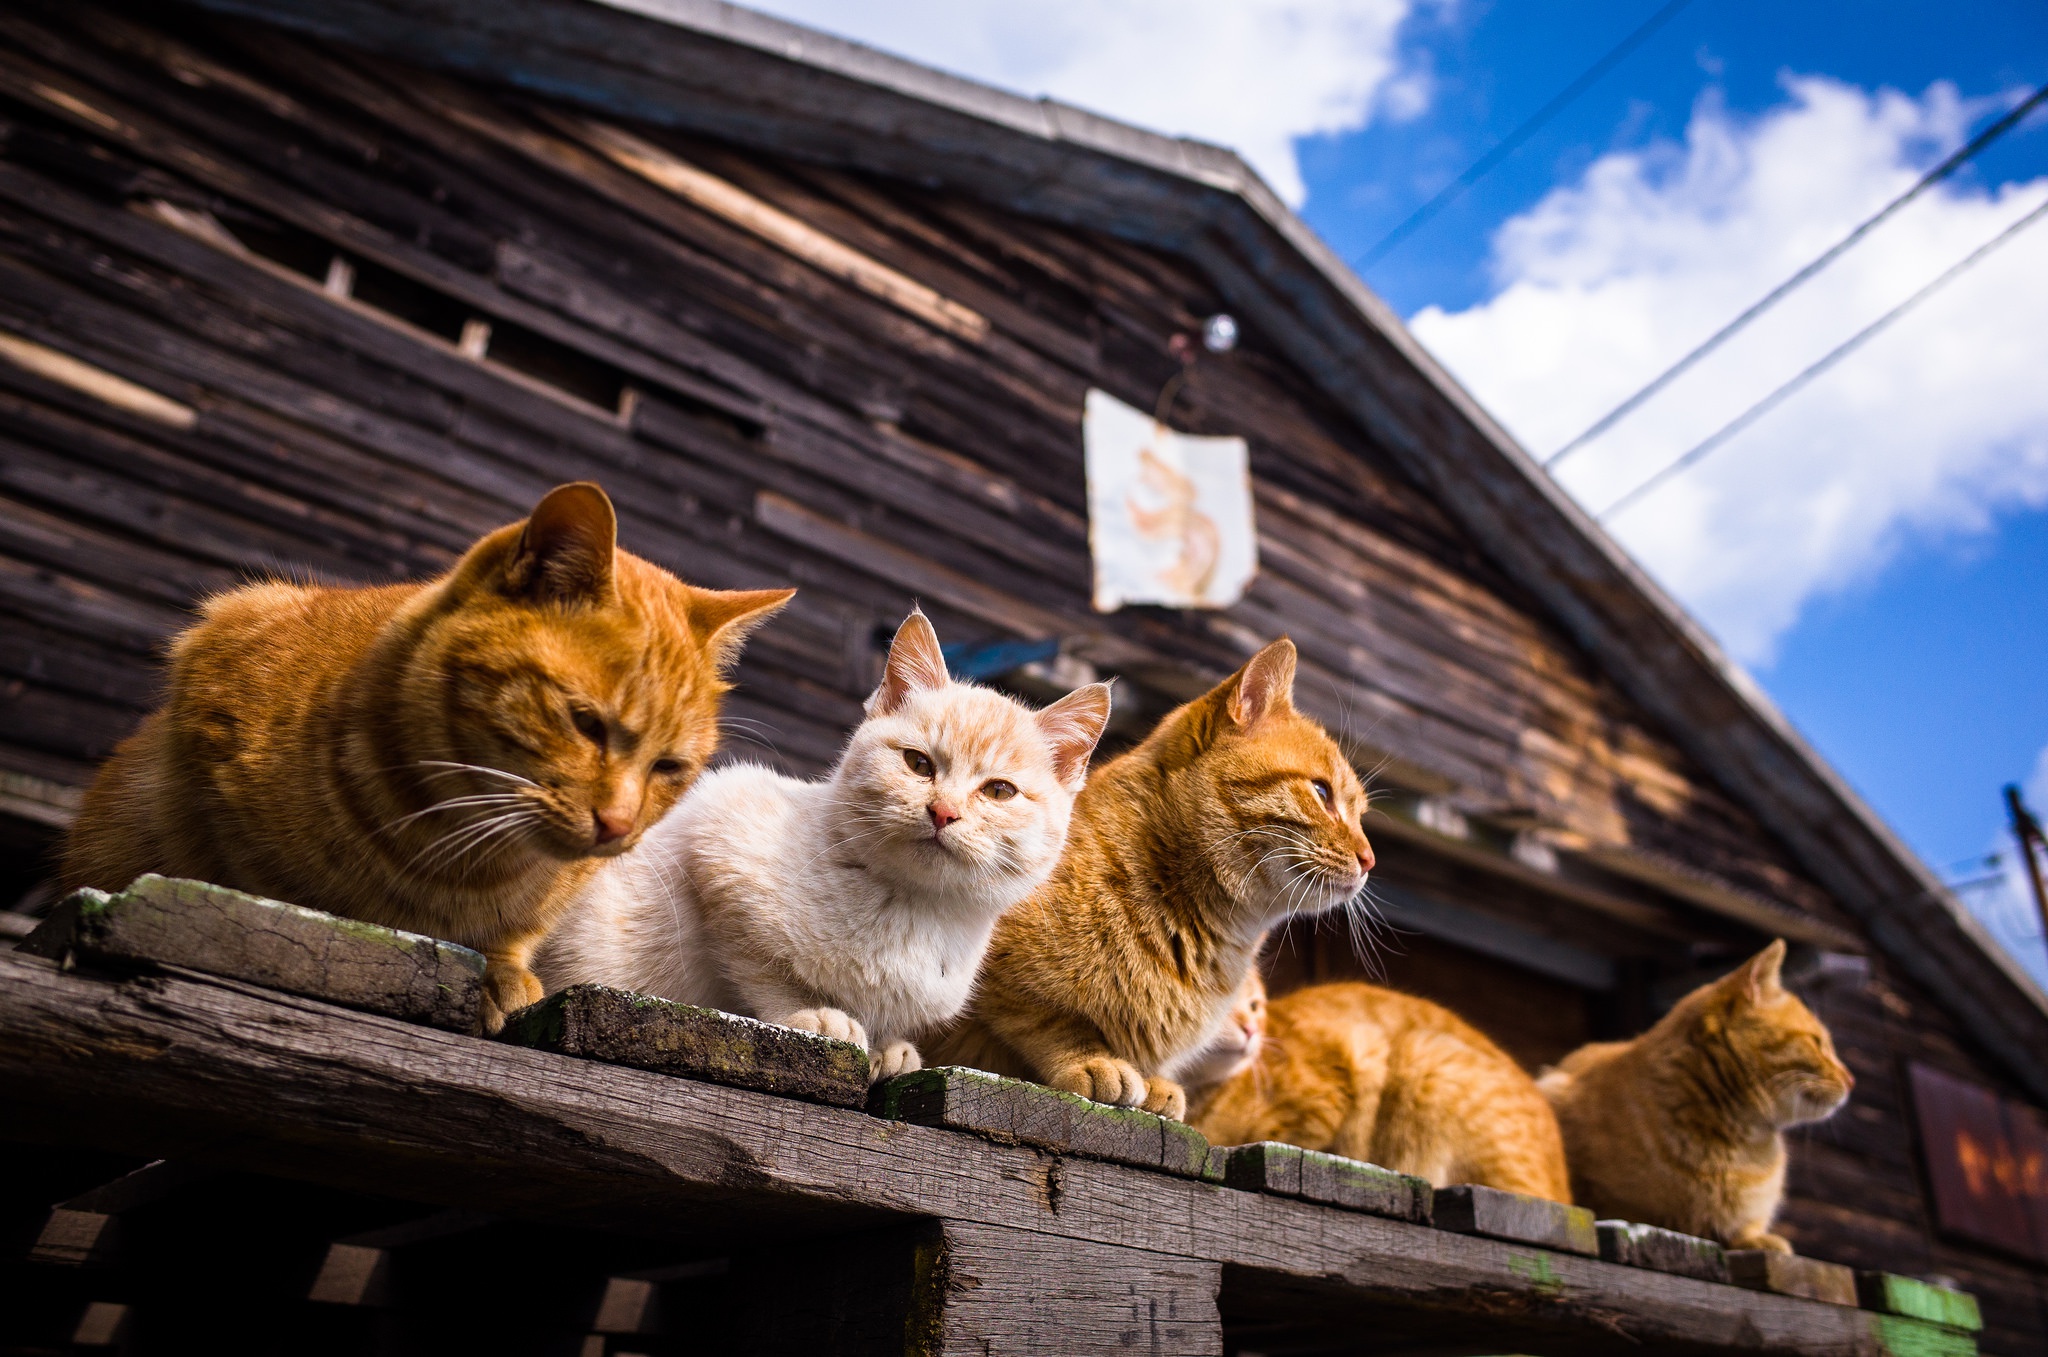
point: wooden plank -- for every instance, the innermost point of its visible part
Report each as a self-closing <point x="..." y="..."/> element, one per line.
<point x="1016" y="1111"/>
<point x="1471" y="1209"/>
<point x="800" y="238"/>
<point x="1791" y="1274"/>
<point x="364" y="1102"/>
<point x="1661" y="1250"/>
<point x="1290" y="1171"/>
<point x="596" y="1022"/>
<point x="165" y="921"/>
<point x="1896" y="1295"/>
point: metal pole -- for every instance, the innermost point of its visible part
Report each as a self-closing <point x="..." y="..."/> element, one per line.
<point x="2027" y="830"/>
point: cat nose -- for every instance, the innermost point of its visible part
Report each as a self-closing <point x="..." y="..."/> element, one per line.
<point x="942" y="815"/>
<point x="1365" y="859"/>
<point x="610" y="823"/>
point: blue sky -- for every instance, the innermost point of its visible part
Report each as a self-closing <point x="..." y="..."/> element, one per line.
<point x="1925" y="680"/>
<point x="1876" y="550"/>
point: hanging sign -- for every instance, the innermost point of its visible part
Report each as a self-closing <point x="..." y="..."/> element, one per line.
<point x="1169" y="514"/>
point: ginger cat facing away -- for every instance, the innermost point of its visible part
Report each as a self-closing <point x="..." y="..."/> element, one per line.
<point x="451" y="757"/>
<point x="1361" y="1071"/>
<point x="1683" y="1126"/>
<point x="1234" y="813"/>
<point x="857" y="905"/>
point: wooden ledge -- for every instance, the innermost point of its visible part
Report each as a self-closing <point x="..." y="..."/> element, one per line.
<point x="1289" y="1171"/>
<point x="1651" y="1246"/>
<point x="171" y="1066"/>
<point x="1014" y="1111"/>
<point x="596" y="1022"/>
<point x="1471" y="1209"/>
<point x="166" y="921"/>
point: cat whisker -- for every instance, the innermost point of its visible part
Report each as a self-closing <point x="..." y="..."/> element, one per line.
<point x="456" y="803"/>
<point x="450" y="767"/>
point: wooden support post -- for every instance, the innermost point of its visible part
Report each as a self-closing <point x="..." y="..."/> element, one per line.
<point x="85" y="1231"/>
<point x="994" y="1292"/>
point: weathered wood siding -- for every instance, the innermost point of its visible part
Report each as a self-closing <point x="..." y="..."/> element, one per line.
<point x="763" y="411"/>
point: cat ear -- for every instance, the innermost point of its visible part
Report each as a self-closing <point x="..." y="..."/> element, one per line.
<point x="566" y="547"/>
<point x="726" y="617"/>
<point x="1760" y="976"/>
<point x="1072" y="726"/>
<point x="1265" y="684"/>
<point x="915" y="663"/>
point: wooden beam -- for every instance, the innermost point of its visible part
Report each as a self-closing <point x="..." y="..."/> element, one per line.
<point x="353" y="1099"/>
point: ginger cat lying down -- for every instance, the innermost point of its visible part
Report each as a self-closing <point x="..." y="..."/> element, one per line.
<point x="1361" y="1071"/>
<point x="1683" y="1126"/>
<point x="453" y="756"/>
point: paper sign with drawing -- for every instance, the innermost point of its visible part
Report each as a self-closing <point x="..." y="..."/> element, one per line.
<point x="1169" y="514"/>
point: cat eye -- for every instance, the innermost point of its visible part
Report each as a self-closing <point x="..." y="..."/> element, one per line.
<point x="588" y="724"/>
<point x="918" y="762"/>
<point x="995" y="789"/>
<point x="668" y="767"/>
<point x="1324" y="794"/>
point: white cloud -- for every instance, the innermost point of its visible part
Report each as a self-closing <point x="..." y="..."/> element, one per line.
<point x="1932" y="429"/>
<point x="1248" y="74"/>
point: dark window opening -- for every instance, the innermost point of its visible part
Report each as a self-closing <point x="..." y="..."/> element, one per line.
<point x="558" y="365"/>
<point x="415" y="303"/>
<point x="299" y="251"/>
<point x="511" y="346"/>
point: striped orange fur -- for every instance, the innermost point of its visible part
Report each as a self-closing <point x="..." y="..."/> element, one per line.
<point x="1234" y="813"/>
<point x="451" y="757"/>
<point x="1368" y="1073"/>
<point x="1683" y="1127"/>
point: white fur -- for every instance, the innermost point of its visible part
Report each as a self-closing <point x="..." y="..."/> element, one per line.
<point x="836" y="905"/>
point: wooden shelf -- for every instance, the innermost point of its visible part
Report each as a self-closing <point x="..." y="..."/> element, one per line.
<point x="973" y="1234"/>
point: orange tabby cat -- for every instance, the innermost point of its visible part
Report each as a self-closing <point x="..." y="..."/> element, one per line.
<point x="1361" y="1071"/>
<point x="1682" y="1127"/>
<point x="1234" y="813"/>
<point x="451" y="757"/>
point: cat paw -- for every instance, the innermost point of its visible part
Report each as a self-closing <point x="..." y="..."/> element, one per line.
<point x="1166" y="1098"/>
<point x="1770" y="1243"/>
<point x="507" y="989"/>
<point x="894" y="1058"/>
<point x="829" y="1022"/>
<point x="1104" y="1079"/>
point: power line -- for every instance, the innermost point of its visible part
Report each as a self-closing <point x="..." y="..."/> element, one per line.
<point x="1509" y="144"/>
<point x="1834" y="356"/>
<point x="1769" y="299"/>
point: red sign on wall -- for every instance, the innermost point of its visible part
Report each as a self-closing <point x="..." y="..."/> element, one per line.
<point x="1987" y="1158"/>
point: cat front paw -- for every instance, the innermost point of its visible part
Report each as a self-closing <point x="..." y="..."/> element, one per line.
<point x="894" y="1058"/>
<point x="1166" y="1098"/>
<point x="508" y="987"/>
<point x="1104" y="1079"/>
<point x="829" y="1022"/>
<point x="1762" y="1239"/>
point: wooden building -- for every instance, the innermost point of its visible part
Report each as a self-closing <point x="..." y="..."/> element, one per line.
<point x="331" y="287"/>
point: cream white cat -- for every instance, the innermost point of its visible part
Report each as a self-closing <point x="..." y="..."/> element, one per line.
<point x="857" y="906"/>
